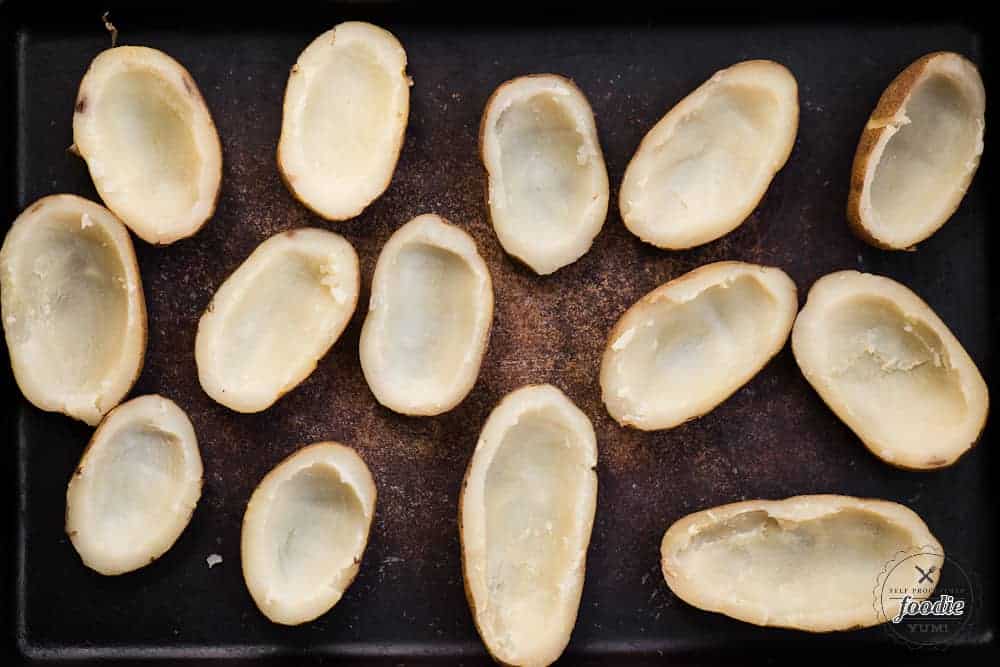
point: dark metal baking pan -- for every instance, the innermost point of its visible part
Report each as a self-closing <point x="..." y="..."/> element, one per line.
<point x="773" y="438"/>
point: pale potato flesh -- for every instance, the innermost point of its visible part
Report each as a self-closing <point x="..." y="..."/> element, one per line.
<point x="893" y="373"/>
<point x="275" y="317"/>
<point x="810" y="563"/>
<point x="430" y="312"/>
<point x="78" y="307"/>
<point x="72" y="307"/>
<point x="702" y="169"/>
<point x="927" y="159"/>
<point x="890" y="369"/>
<point x="345" y="113"/>
<point x="149" y="142"/>
<point x="709" y="157"/>
<point x="136" y="486"/>
<point x="433" y="318"/>
<point x="679" y="352"/>
<point x="531" y="519"/>
<point x="526" y="514"/>
<point x="305" y="530"/>
<point x="548" y="187"/>
<point x="315" y="525"/>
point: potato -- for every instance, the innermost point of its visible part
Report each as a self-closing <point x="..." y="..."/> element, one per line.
<point x="808" y="562"/>
<point x="429" y="318"/>
<point x="548" y="186"/>
<point x="136" y="486"/>
<point x="305" y="531"/>
<point x="525" y="515"/>
<point x="275" y="317"/>
<point x="149" y="142"/>
<point x="685" y="347"/>
<point x="918" y="152"/>
<point x="74" y="314"/>
<point x="702" y="169"/>
<point x="890" y="369"/>
<point x="346" y="107"/>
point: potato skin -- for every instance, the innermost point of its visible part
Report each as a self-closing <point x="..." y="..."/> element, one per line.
<point x="461" y="543"/>
<point x="140" y="295"/>
<point x="356" y="566"/>
<point x="755" y="504"/>
<point x="889" y="104"/>
<point x="80" y="106"/>
<point x="932" y="464"/>
<point x="482" y="153"/>
<point x="644" y="144"/>
<point x="289" y="179"/>
<point x="616" y="332"/>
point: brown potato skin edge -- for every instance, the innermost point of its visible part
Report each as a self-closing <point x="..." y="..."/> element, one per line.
<point x="288" y="179"/>
<point x="486" y="172"/>
<point x="192" y="89"/>
<point x="616" y="332"/>
<point x="889" y="103"/>
<point x="357" y="562"/>
<point x="78" y="470"/>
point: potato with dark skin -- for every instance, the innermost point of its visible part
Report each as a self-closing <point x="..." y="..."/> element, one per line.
<point x="918" y="153"/>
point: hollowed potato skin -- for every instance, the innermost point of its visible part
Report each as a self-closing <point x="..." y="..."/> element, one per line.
<point x="787" y="514"/>
<point x="822" y="298"/>
<point x="772" y="281"/>
<point x="890" y="103"/>
<point x="353" y="472"/>
<point x="540" y="265"/>
<point x="289" y="167"/>
<point x="204" y="135"/>
<point x="507" y="404"/>
<point x="167" y="411"/>
<point x="135" y="342"/>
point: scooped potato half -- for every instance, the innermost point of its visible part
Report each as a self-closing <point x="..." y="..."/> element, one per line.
<point x="346" y="107"/>
<point x="74" y="314"/>
<point x="525" y="515"/>
<point x="807" y="563"/>
<point x="429" y="318"/>
<point x="888" y="366"/>
<point x="685" y="347"/>
<point x="149" y="142"/>
<point x="918" y="152"/>
<point x="703" y="168"/>
<point x="305" y="531"/>
<point x="136" y="487"/>
<point x="548" y="186"/>
<point x="275" y="317"/>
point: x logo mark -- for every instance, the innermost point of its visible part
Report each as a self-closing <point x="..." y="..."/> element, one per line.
<point x="925" y="576"/>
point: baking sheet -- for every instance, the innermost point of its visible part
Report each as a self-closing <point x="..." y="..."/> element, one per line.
<point x="772" y="439"/>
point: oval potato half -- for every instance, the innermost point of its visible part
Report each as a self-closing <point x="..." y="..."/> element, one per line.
<point x="808" y="562"/>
